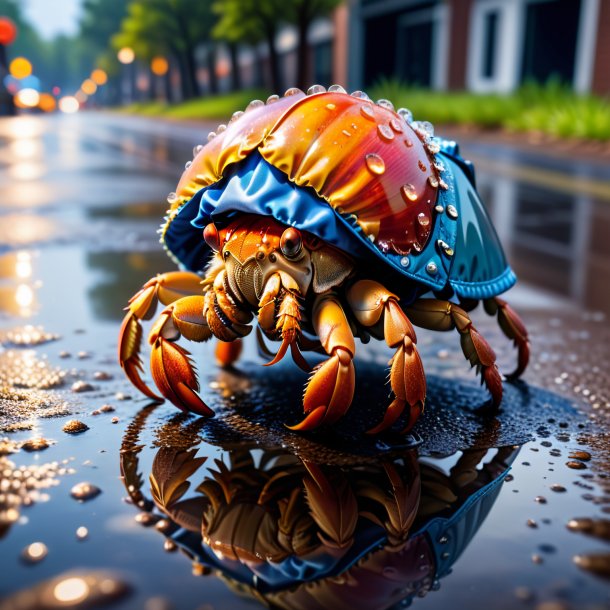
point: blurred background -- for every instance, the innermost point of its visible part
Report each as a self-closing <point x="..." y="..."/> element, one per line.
<point x="111" y="52"/>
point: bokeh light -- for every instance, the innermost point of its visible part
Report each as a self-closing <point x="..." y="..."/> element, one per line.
<point x="69" y="104"/>
<point x="89" y="87"/>
<point x="126" y="55"/>
<point x="8" y="31"/>
<point x="99" y="77"/>
<point x="27" y="98"/>
<point x="20" y="67"/>
<point x="159" y="65"/>
<point x="81" y="96"/>
<point x="47" y="102"/>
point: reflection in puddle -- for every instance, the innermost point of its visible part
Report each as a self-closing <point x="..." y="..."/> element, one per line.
<point x="294" y="533"/>
<point x="17" y="294"/>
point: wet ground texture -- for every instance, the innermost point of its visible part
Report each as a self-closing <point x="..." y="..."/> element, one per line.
<point x="109" y="501"/>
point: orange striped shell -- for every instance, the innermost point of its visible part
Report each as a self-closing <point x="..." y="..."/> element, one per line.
<point x="363" y="158"/>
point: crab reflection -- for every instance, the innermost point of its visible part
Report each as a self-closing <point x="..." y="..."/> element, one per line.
<point x="294" y="533"/>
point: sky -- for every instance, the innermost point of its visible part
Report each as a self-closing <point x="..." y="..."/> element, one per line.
<point x="51" y="17"/>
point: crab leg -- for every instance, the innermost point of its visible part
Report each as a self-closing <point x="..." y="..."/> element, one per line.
<point x="444" y="315"/>
<point x="172" y="369"/>
<point x="513" y="328"/>
<point x="279" y="316"/>
<point x="166" y="288"/>
<point x="330" y="390"/>
<point x="370" y="301"/>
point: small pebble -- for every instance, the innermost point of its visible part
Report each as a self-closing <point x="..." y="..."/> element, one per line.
<point x="578" y="454"/>
<point x="531" y="523"/>
<point x="102" y="376"/>
<point x="537" y="559"/>
<point x="74" y="426"/>
<point x="64" y="354"/>
<point x="82" y="386"/>
<point x="83" y="355"/>
<point x="122" y="396"/>
<point x="558" y="488"/>
<point x="107" y="409"/>
<point x="35" y="444"/>
<point x="540" y="499"/>
<point x="576" y="465"/>
<point x="115" y="420"/>
<point x="85" y="491"/>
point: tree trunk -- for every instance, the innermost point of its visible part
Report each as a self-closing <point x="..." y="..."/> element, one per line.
<point x="167" y="84"/>
<point x="185" y="83"/>
<point x="235" y="72"/>
<point x="303" y="52"/>
<point x="212" y="79"/>
<point x="191" y="70"/>
<point x="274" y="63"/>
<point x="152" y="85"/>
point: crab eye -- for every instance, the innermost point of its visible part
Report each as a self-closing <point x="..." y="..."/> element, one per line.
<point x="211" y="237"/>
<point x="291" y="243"/>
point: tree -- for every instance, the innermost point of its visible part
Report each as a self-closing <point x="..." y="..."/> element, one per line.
<point x="252" y="22"/>
<point x="302" y="13"/>
<point x="170" y="27"/>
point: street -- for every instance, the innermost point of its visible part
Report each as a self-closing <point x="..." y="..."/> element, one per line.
<point x="81" y="198"/>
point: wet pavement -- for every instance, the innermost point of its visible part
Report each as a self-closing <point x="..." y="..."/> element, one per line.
<point x="237" y="511"/>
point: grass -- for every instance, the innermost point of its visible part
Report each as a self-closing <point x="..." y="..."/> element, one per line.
<point x="217" y="107"/>
<point x="551" y="109"/>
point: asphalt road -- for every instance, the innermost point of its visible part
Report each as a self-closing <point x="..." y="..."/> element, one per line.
<point x="81" y="198"/>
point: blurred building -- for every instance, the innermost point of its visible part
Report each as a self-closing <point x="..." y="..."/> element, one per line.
<point x="480" y="45"/>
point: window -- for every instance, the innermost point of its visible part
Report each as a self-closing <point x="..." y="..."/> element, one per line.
<point x="490" y="37"/>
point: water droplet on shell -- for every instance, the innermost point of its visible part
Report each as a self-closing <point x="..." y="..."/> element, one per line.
<point x="316" y="89"/>
<point x="375" y="163"/>
<point x="385" y="104"/>
<point x="254" y="104"/>
<point x="367" y="111"/>
<point x="408" y="192"/>
<point x="292" y="91"/>
<point x="336" y="89"/>
<point x="385" y="133"/>
<point x="423" y="220"/>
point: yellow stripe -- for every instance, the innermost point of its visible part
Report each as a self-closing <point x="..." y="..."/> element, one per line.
<point x="576" y="185"/>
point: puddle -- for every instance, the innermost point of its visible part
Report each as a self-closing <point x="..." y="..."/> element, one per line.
<point x="505" y="510"/>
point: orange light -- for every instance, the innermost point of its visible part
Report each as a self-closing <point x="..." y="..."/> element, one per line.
<point x="88" y="87"/>
<point x="126" y="55"/>
<point x="159" y="65"/>
<point x="20" y="67"/>
<point x="99" y="77"/>
<point x="47" y="102"/>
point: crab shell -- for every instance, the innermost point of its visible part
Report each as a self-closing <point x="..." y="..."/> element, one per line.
<point x="356" y="174"/>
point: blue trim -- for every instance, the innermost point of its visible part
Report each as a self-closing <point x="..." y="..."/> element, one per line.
<point x="477" y="269"/>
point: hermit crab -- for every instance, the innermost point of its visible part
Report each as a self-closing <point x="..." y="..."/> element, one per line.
<point x="329" y="218"/>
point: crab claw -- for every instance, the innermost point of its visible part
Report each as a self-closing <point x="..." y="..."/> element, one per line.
<point x="513" y="327"/>
<point x="329" y="392"/>
<point x="174" y="375"/>
<point x="479" y="353"/>
<point x="408" y="383"/>
<point x="130" y="339"/>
